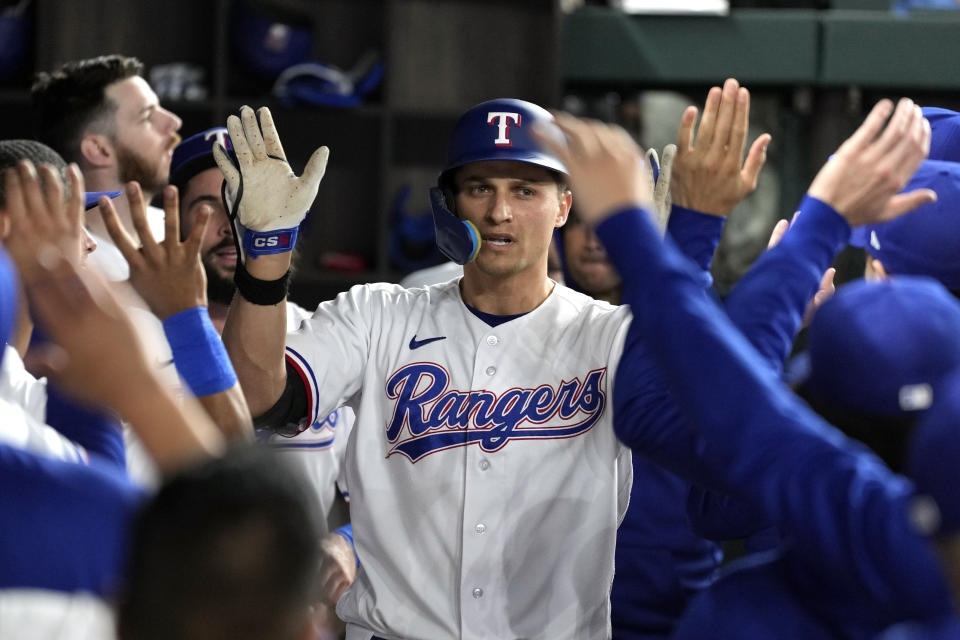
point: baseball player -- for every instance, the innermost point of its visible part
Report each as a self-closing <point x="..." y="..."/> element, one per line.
<point x="101" y="114"/>
<point x="43" y="418"/>
<point x="660" y="563"/>
<point x="838" y="503"/>
<point x="493" y="512"/>
<point x="499" y="379"/>
<point x="319" y="449"/>
<point x="58" y="515"/>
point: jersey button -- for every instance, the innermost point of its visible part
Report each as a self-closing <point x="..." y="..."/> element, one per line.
<point x="492" y="340"/>
<point x="478" y="592"/>
<point x="491" y="371"/>
<point x="480" y="528"/>
<point x="484" y="465"/>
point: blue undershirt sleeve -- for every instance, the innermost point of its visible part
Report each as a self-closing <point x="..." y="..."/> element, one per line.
<point x="697" y="236"/>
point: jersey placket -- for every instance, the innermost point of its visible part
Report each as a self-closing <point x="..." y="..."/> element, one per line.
<point x="482" y="586"/>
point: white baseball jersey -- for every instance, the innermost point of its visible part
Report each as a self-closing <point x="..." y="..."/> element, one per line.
<point x="485" y="478"/>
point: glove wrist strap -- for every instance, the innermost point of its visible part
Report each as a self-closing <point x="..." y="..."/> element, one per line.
<point x="261" y="243"/>
<point x="261" y="292"/>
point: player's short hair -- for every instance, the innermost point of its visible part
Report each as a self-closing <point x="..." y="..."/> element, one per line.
<point x="226" y="550"/>
<point x="13" y="151"/>
<point x="70" y="100"/>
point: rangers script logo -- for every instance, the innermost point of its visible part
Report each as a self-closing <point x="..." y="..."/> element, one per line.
<point x="429" y="417"/>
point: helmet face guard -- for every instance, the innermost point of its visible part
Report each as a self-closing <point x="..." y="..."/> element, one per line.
<point x="494" y="130"/>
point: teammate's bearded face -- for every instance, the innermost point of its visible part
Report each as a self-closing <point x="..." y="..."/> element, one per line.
<point x="515" y="207"/>
<point x="145" y="134"/>
<point x="587" y="262"/>
<point x="217" y="251"/>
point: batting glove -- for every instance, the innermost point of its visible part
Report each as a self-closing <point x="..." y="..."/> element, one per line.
<point x="656" y="173"/>
<point x="265" y="200"/>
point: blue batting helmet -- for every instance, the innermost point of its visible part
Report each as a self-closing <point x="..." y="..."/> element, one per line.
<point x="499" y="130"/>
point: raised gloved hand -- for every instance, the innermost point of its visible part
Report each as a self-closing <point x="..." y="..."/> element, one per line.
<point x="265" y="200"/>
<point x="656" y="174"/>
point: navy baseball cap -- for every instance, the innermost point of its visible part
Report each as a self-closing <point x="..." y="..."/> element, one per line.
<point x="92" y="197"/>
<point x="195" y="154"/>
<point x="882" y="348"/>
<point x="944" y="133"/>
<point x="925" y="241"/>
<point x="933" y="451"/>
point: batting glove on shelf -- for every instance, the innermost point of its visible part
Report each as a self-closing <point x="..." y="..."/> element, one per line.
<point x="265" y="200"/>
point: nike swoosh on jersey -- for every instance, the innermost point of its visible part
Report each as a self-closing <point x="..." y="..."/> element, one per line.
<point x="416" y="344"/>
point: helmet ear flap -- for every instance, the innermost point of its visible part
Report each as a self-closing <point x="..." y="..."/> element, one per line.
<point x="457" y="239"/>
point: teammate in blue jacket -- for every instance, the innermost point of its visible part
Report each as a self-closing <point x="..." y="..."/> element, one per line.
<point x="843" y="510"/>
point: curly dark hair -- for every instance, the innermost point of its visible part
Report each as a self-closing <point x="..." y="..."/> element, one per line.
<point x="71" y="99"/>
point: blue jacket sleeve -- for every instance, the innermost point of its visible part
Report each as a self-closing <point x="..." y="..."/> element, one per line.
<point x="767" y="306"/>
<point x="768" y="302"/>
<point x="646" y="417"/>
<point x="838" y="503"/>
<point x="63" y="526"/>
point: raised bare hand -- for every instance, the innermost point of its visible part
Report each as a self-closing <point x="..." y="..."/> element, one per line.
<point x="168" y="275"/>
<point x="861" y="180"/>
<point x="709" y="174"/>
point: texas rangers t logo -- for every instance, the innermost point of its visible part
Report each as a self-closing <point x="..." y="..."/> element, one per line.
<point x="503" y="119"/>
<point x="428" y="417"/>
<point x="220" y="135"/>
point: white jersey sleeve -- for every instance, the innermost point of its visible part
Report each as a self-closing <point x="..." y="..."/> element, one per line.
<point x="338" y="329"/>
<point x="18" y="429"/>
<point x="317" y="451"/>
<point x="19" y="387"/>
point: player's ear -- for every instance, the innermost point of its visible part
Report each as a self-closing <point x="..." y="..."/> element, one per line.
<point x="563" y="211"/>
<point x="4" y="225"/>
<point x="96" y="150"/>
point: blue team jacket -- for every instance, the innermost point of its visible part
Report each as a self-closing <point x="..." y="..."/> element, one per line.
<point x="660" y="561"/>
<point x="846" y="514"/>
